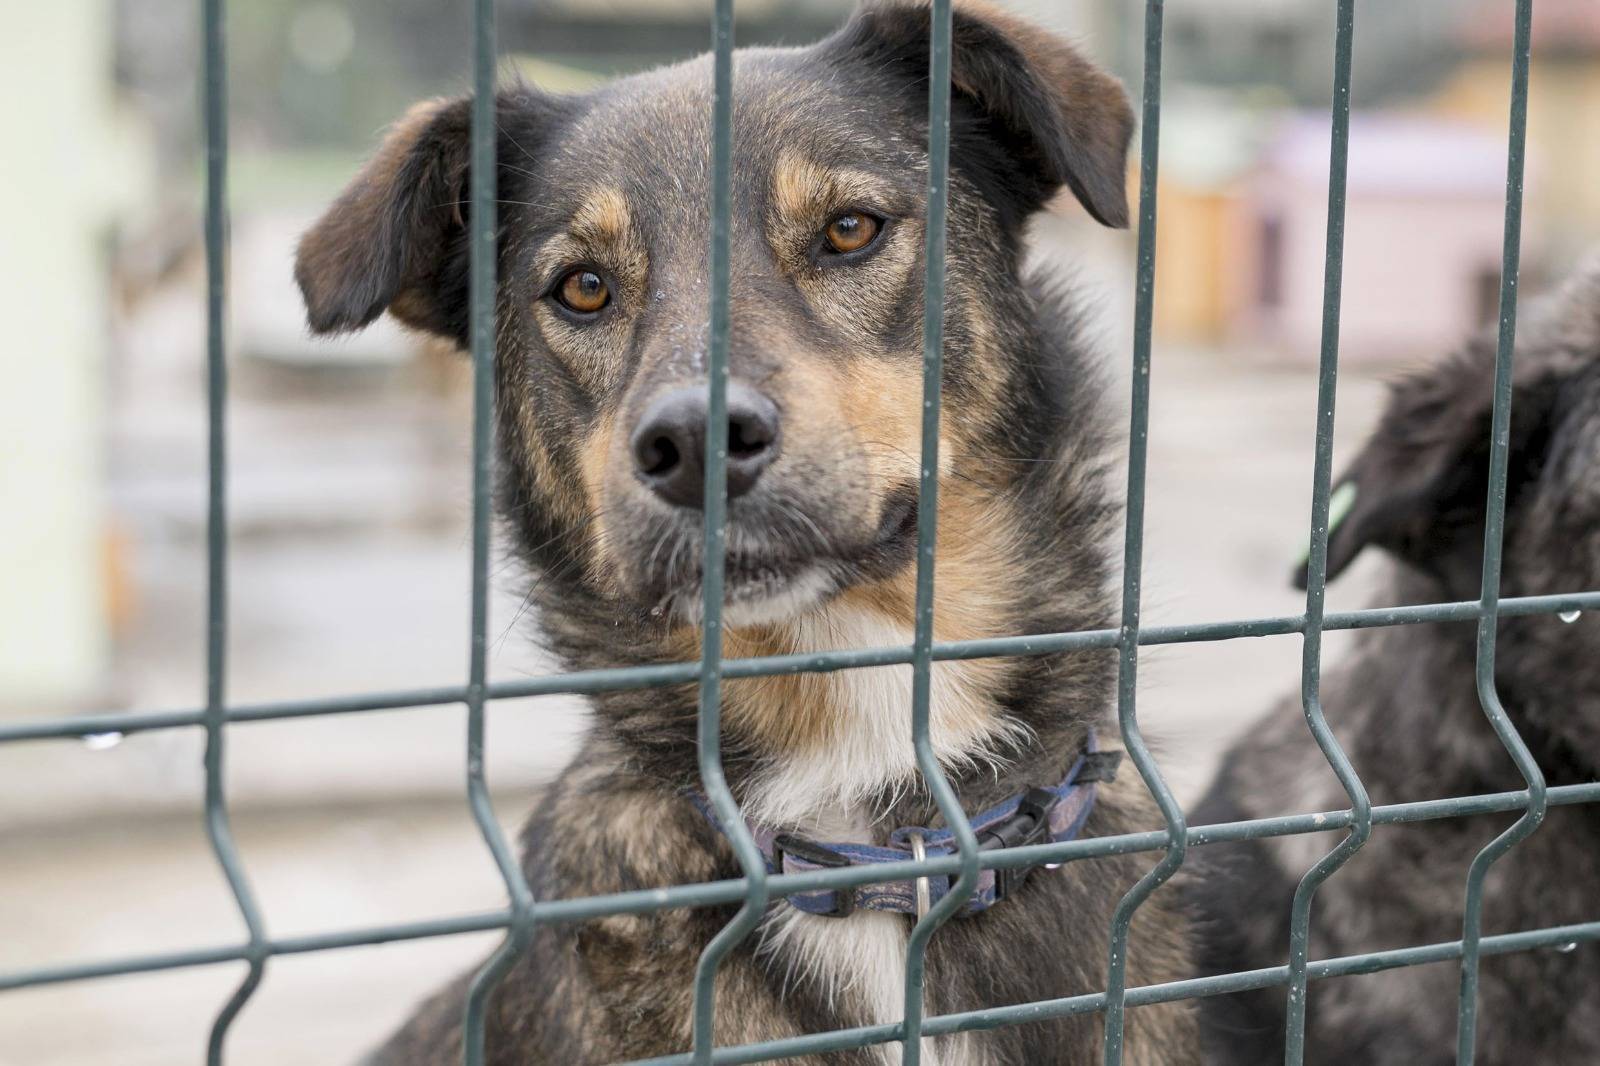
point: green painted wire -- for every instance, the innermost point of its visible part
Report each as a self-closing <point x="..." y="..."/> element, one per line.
<point x="1317" y="560"/>
<point x="218" y="830"/>
<point x="1222" y="984"/>
<point x="717" y="893"/>
<point x="483" y="217"/>
<point x="944" y="795"/>
<point x="1133" y="552"/>
<point x="709" y="725"/>
<point x="640" y="677"/>
<point x="1493" y="539"/>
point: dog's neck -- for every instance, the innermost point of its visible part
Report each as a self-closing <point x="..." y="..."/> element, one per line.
<point x="836" y="749"/>
<point x="831" y="754"/>
<point x="838" y="746"/>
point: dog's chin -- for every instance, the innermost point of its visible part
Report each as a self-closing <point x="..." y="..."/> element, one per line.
<point x="769" y="597"/>
<point x="765" y="589"/>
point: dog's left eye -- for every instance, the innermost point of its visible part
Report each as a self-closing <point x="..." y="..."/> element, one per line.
<point x="851" y="232"/>
<point x="583" y="291"/>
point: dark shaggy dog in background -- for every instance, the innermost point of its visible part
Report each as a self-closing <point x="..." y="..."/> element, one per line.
<point x="600" y="368"/>
<point x="1404" y="705"/>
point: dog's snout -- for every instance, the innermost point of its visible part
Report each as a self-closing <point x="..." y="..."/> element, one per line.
<point x="669" y="443"/>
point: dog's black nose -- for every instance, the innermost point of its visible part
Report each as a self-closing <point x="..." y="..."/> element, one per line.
<point x="669" y="444"/>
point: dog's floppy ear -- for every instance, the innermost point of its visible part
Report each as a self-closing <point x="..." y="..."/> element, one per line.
<point x="389" y="239"/>
<point x="1055" y="118"/>
<point x="396" y="238"/>
<point x="1419" y="487"/>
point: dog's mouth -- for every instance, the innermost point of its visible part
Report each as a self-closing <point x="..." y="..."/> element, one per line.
<point x="775" y="571"/>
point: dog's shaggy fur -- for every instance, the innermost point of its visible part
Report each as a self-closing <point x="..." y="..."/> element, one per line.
<point x="615" y="183"/>
<point x="1404" y="705"/>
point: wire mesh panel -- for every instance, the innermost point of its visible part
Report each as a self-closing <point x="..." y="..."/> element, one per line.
<point x="756" y="887"/>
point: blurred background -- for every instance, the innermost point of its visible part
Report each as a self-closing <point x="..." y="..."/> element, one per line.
<point x="349" y="460"/>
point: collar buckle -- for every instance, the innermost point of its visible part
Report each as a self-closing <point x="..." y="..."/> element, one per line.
<point x="1030" y="824"/>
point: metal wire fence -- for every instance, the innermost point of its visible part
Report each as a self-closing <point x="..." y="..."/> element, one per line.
<point x="757" y="886"/>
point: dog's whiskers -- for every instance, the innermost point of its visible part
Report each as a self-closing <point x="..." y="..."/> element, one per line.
<point x="568" y="558"/>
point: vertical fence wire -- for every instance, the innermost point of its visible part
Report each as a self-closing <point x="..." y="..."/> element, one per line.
<point x="940" y="27"/>
<point x="484" y="220"/>
<point x="1317" y="558"/>
<point x="1133" y="552"/>
<point x="709" y="722"/>
<point x="218" y="829"/>
<point x="1493" y="540"/>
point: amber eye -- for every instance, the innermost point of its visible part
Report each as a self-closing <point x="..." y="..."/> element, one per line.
<point x="851" y="232"/>
<point x="583" y="291"/>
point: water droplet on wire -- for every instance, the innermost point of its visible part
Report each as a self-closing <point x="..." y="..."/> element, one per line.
<point x="102" y="741"/>
<point x="1570" y="616"/>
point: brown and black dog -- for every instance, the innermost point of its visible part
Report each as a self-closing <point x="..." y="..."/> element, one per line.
<point x="600" y="369"/>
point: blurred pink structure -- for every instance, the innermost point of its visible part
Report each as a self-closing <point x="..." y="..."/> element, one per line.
<point x="1557" y="25"/>
<point x="1422" y="242"/>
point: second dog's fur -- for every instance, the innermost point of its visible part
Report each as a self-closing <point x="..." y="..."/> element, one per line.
<point x="1404" y="704"/>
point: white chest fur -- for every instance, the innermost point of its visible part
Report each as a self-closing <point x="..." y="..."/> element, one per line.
<point x="869" y="745"/>
<point x="858" y="963"/>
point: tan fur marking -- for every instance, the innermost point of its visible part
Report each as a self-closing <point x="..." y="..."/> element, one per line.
<point x="878" y="404"/>
<point x="806" y="196"/>
<point x="799" y="185"/>
<point x="602" y="233"/>
<point x="800" y="713"/>
<point x="539" y="461"/>
<point x="593" y="462"/>
<point x="603" y="218"/>
<point x="974" y="563"/>
<point x="882" y="402"/>
<point x="985" y="348"/>
<point x="804" y="190"/>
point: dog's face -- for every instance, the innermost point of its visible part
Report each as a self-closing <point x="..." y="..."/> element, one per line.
<point x="604" y="292"/>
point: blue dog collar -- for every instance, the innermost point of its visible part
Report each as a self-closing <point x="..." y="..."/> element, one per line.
<point x="1038" y="816"/>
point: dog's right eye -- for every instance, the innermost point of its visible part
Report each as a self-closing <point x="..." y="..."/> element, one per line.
<point x="851" y="232"/>
<point x="583" y="291"/>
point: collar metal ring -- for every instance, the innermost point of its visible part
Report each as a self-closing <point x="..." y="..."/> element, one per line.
<point x="924" y="894"/>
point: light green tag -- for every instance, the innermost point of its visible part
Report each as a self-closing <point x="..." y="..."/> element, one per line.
<point x="1340" y="504"/>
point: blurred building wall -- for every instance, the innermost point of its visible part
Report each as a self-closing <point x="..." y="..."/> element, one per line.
<point x="55" y="74"/>
<point x="1197" y="262"/>
<point x="1563" y="129"/>
<point x="1423" y="237"/>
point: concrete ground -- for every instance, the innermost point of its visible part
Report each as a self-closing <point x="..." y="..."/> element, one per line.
<point x="349" y="573"/>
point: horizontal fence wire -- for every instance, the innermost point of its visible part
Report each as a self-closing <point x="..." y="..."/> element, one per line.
<point x="1023" y="1013"/>
<point x="717" y="893"/>
<point x="756" y="887"/>
<point x="583" y="682"/>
